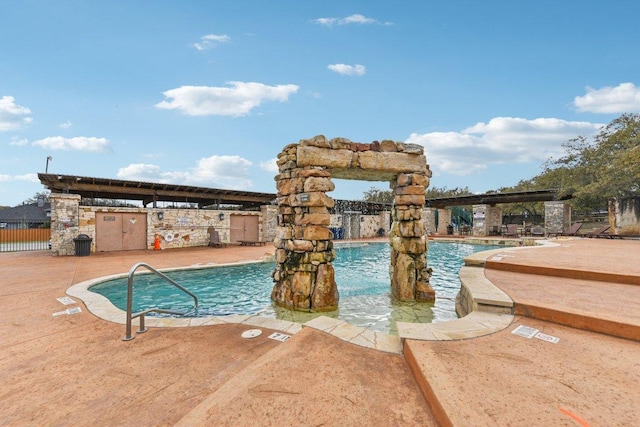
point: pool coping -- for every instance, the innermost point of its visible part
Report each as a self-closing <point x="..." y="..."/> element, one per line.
<point x="483" y="320"/>
<point x="486" y="308"/>
<point x="101" y="307"/>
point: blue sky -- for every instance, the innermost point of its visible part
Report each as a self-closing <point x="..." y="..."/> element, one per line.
<point x="207" y="93"/>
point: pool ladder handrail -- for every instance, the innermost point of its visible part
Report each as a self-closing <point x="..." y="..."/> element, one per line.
<point x="131" y="315"/>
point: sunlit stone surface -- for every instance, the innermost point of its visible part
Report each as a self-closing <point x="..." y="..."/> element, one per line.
<point x="304" y="277"/>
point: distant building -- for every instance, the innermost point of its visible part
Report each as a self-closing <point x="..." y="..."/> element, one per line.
<point x="33" y="215"/>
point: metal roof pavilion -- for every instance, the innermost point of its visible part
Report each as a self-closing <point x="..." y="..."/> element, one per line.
<point x="149" y="192"/>
<point x="495" y="198"/>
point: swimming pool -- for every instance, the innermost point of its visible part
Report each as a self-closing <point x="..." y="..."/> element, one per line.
<point x="362" y="277"/>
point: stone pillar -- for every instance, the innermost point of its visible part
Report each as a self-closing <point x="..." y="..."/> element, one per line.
<point x="269" y="214"/>
<point x="409" y="273"/>
<point x="486" y="220"/>
<point x="444" y="221"/>
<point x="304" y="276"/>
<point x="557" y="217"/>
<point x="624" y="215"/>
<point x="429" y="220"/>
<point x="64" y="223"/>
<point x="480" y="227"/>
<point x="493" y="219"/>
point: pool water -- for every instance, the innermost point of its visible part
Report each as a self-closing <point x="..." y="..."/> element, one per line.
<point x="362" y="277"/>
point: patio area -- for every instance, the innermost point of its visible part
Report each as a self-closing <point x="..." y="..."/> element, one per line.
<point x="75" y="370"/>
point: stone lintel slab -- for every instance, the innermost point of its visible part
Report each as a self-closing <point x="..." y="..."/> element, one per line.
<point x="363" y="165"/>
<point x="324" y="157"/>
<point x="361" y="174"/>
<point x="391" y="162"/>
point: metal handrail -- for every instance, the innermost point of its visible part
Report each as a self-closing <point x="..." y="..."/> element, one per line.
<point x="141" y="314"/>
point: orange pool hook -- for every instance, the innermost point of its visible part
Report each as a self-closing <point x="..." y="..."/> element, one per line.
<point x="156" y="244"/>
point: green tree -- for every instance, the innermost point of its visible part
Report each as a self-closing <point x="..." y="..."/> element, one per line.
<point x="435" y="192"/>
<point x="44" y="195"/>
<point x="596" y="170"/>
<point x="531" y="208"/>
<point x="386" y="196"/>
<point x="375" y="195"/>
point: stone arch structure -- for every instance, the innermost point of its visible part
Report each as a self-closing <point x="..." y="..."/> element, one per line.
<point x="304" y="276"/>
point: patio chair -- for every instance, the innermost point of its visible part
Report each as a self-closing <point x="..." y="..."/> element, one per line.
<point x="572" y="231"/>
<point x="600" y="232"/>
<point x="494" y="230"/>
<point x="512" y="231"/>
<point x="603" y="233"/>
<point x="214" y="239"/>
<point x="537" y="231"/>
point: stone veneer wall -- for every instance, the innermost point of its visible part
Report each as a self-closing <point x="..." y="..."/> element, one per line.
<point x="444" y="220"/>
<point x="64" y="223"/>
<point x="304" y="276"/>
<point x="269" y="222"/>
<point x="484" y="218"/>
<point x="187" y="227"/>
<point x="557" y="217"/>
<point x="369" y="225"/>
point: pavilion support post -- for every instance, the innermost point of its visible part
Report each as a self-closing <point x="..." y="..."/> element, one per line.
<point x="557" y="217"/>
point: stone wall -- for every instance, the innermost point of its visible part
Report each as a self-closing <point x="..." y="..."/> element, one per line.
<point x="269" y="222"/>
<point x="369" y="225"/>
<point x="178" y="228"/>
<point x="304" y="275"/>
<point x="487" y="219"/>
<point x="64" y="223"/>
<point x="624" y="216"/>
<point x="429" y="220"/>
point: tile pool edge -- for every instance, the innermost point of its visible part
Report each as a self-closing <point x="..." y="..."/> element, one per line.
<point x="476" y="323"/>
<point x="102" y="308"/>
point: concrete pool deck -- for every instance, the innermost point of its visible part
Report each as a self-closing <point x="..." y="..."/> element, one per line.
<point x="75" y="370"/>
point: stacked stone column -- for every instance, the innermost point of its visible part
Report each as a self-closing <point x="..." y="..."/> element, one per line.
<point x="304" y="276"/>
<point x="409" y="272"/>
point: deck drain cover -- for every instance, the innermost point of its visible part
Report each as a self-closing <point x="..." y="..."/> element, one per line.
<point x="251" y="333"/>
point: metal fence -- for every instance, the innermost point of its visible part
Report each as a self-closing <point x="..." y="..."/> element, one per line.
<point x="21" y="235"/>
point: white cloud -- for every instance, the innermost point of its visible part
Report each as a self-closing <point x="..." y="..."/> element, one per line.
<point x="237" y="100"/>
<point x="12" y="115"/>
<point x="141" y="172"/>
<point x="19" y="142"/>
<point x="210" y="41"/>
<point x="219" y="171"/>
<point x="270" y="165"/>
<point x="501" y="140"/>
<point x="30" y="177"/>
<point x="624" y="98"/>
<point x="352" y="19"/>
<point x="348" y="70"/>
<point x="78" y="143"/>
<point x="65" y="125"/>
